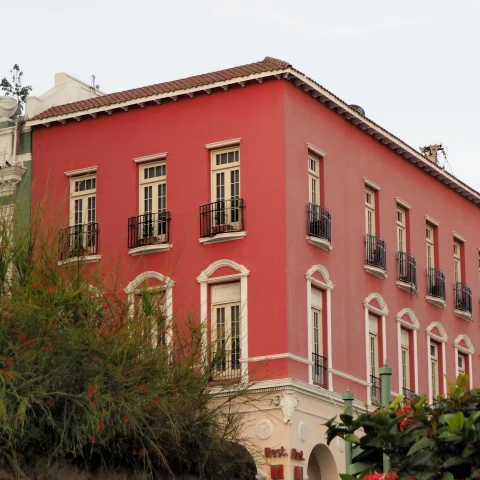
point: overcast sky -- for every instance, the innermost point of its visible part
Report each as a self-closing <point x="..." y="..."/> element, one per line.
<point x="412" y="65"/>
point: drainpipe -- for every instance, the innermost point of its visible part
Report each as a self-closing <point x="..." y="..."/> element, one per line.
<point x="348" y="402"/>
<point x="385" y="374"/>
<point x="14" y="156"/>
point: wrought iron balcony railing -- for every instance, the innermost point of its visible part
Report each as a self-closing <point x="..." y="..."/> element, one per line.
<point x="376" y="388"/>
<point x="226" y="365"/>
<point x="149" y="229"/>
<point x="222" y="216"/>
<point x="79" y="240"/>
<point x="407" y="394"/>
<point x="319" y="222"/>
<point x="436" y="283"/>
<point x="320" y="369"/>
<point x="463" y="297"/>
<point x="407" y="269"/>
<point x="376" y="252"/>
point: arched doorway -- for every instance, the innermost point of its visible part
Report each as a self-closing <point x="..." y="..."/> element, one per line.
<point x="236" y="463"/>
<point x="321" y="464"/>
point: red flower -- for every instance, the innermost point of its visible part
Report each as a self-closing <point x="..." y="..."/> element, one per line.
<point x="134" y="451"/>
<point x="51" y="289"/>
<point x="9" y="361"/>
<point x="125" y="419"/>
<point x="101" y="424"/>
<point x="94" y="439"/>
<point x="142" y="452"/>
<point x="91" y="389"/>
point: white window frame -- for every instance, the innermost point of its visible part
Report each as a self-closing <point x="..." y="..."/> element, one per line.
<point x="313" y="179"/>
<point x="405" y="359"/>
<point x="84" y="196"/>
<point x="457" y="261"/>
<point x="430" y="245"/>
<point x="325" y="285"/>
<point x="138" y="299"/>
<point x="207" y="278"/>
<point x="401" y="230"/>
<point x="440" y="340"/>
<point x="374" y="305"/>
<point x="434" y="370"/>
<point x="408" y="321"/>
<point x="370" y="226"/>
<point x="166" y="284"/>
<point x="464" y="346"/>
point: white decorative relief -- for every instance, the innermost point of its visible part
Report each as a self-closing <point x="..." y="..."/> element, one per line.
<point x="303" y="431"/>
<point x="264" y="429"/>
<point x="10" y="177"/>
<point x="288" y="402"/>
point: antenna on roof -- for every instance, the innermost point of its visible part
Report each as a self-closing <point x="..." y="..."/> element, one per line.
<point x="93" y="87"/>
<point x="431" y="152"/>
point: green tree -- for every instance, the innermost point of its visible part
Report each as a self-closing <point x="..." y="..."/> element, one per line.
<point x="82" y="383"/>
<point x="14" y="87"/>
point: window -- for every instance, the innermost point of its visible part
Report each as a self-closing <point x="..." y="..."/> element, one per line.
<point x="405" y="356"/>
<point x="225" y="326"/>
<point x="83" y="200"/>
<point x="226" y="186"/>
<point x="153" y="200"/>
<point x="434" y="370"/>
<point x="150" y="309"/>
<point x="313" y="179"/>
<point x="319" y="364"/>
<point x="373" y="322"/>
<point x="430" y="247"/>
<point x="401" y="230"/>
<point x="461" y="363"/>
<point x="457" y="262"/>
<point x="370" y="212"/>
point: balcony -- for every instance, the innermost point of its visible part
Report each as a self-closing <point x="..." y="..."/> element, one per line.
<point x="407" y="272"/>
<point x="463" y="301"/>
<point x="376" y="258"/>
<point x="79" y="242"/>
<point x="376" y="388"/>
<point x="149" y="233"/>
<point x="319" y="227"/>
<point x="436" y="287"/>
<point x="226" y="366"/>
<point x="222" y="221"/>
<point x="408" y="395"/>
<point x="319" y="370"/>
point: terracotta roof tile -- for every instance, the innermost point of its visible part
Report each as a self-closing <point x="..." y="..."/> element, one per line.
<point x="267" y="65"/>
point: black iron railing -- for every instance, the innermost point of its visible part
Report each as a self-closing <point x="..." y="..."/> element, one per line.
<point x="149" y="229"/>
<point x="376" y="388"/>
<point x="226" y="365"/>
<point x="436" y="283"/>
<point x="463" y="297"/>
<point x="319" y="222"/>
<point x="79" y="240"/>
<point x="376" y="252"/>
<point x="320" y="370"/>
<point x="407" y="394"/>
<point x="407" y="269"/>
<point x="222" y="216"/>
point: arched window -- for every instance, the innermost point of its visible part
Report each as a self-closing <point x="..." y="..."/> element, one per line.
<point x="437" y="366"/>
<point x="228" y="307"/>
<point x="376" y="312"/>
<point x="319" y="320"/>
<point x="407" y="326"/>
<point x="159" y="289"/>
<point x="463" y="357"/>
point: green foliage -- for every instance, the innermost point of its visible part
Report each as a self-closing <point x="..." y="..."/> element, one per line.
<point x="423" y="442"/>
<point x="14" y="87"/>
<point x="85" y="382"/>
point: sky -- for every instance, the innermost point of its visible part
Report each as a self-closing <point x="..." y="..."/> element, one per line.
<point x="412" y="65"/>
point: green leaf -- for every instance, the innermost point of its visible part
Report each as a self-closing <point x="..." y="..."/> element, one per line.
<point x="450" y="437"/>
<point x="352" y="438"/>
<point x="346" y="419"/>
<point x="396" y="402"/>
<point x="455" y="420"/>
<point x="420" y="445"/>
<point x="475" y="474"/>
<point x="421" y="458"/>
<point x="453" y="461"/>
<point x="467" y="451"/>
<point x="461" y="382"/>
<point x="420" y="403"/>
<point x="346" y="476"/>
<point x="448" y="476"/>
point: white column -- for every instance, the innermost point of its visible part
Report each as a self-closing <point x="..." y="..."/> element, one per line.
<point x="399" y="349"/>
<point x="204" y="315"/>
<point x="444" y="367"/>
<point x="415" y="359"/>
<point x="169" y="309"/>
<point x="470" y="371"/>
<point x="329" y="339"/>
<point x="456" y="362"/>
<point x="429" y="365"/>
<point x="384" y="340"/>
<point x="244" y="323"/>
<point x="309" y="329"/>
<point x="367" y="330"/>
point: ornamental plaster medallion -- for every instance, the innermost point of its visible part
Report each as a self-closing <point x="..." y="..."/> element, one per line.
<point x="264" y="429"/>
<point x="303" y="431"/>
<point x="288" y="402"/>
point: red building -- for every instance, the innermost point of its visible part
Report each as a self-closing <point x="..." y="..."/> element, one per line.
<point x="320" y="241"/>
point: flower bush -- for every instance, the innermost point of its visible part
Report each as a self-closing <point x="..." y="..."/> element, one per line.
<point x="423" y="442"/>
